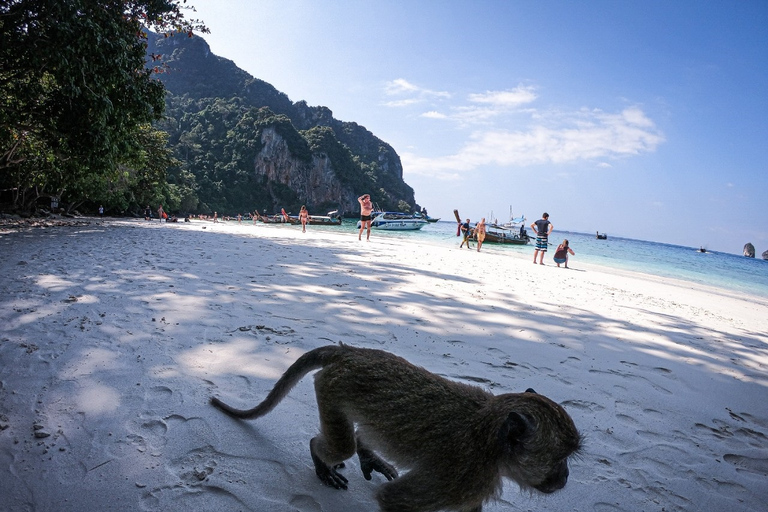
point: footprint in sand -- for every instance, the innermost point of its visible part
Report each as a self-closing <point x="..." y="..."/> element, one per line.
<point x="305" y="503"/>
<point x="583" y="405"/>
<point x="756" y="465"/>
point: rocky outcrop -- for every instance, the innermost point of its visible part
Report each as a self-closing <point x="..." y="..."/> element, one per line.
<point x="749" y="250"/>
<point x="765" y="255"/>
<point x="314" y="181"/>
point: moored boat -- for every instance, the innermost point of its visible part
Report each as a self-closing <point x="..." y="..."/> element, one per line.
<point x="505" y="234"/>
<point x="396" y="221"/>
<point x="332" y="219"/>
<point x="512" y="232"/>
<point x="601" y="237"/>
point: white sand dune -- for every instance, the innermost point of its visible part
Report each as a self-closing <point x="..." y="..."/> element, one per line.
<point x="114" y="335"/>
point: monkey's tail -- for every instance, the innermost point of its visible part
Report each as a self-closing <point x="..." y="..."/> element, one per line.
<point x="312" y="360"/>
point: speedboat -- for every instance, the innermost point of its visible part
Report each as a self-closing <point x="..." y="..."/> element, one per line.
<point x="397" y="221"/>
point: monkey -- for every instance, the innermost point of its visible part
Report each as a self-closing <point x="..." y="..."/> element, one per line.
<point x="456" y="441"/>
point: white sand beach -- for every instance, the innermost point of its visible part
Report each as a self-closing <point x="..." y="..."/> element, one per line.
<point x="114" y="335"/>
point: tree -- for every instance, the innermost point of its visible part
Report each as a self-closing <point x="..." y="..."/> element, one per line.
<point x="75" y="90"/>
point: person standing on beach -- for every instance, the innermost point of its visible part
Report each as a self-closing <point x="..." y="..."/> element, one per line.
<point x="542" y="228"/>
<point x="304" y="218"/>
<point x="465" y="232"/>
<point x="101" y="211"/>
<point x="215" y="217"/>
<point x="161" y="213"/>
<point x="480" y="233"/>
<point x="562" y="252"/>
<point x="366" y="208"/>
<point x="147" y="213"/>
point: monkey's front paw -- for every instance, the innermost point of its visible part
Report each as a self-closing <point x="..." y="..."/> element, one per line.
<point x="331" y="477"/>
<point x="370" y="462"/>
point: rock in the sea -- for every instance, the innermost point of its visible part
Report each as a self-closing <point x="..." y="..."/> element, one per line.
<point x="749" y="250"/>
<point x="765" y="255"/>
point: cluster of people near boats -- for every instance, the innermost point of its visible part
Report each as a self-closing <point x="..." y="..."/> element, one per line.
<point x="542" y="228"/>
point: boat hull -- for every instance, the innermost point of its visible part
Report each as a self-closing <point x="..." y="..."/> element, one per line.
<point x="496" y="236"/>
<point x="399" y="225"/>
<point x="392" y="221"/>
<point x="318" y="220"/>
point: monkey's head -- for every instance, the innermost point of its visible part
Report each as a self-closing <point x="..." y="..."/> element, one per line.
<point x="537" y="439"/>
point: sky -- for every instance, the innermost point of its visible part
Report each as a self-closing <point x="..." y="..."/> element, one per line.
<point x="644" y="119"/>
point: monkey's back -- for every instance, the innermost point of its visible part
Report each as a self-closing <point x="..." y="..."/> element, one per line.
<point x="407" y="412"/>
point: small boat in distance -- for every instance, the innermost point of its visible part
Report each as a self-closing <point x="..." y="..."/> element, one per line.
<point x="601" y="237"/>
<point x="701" y="249"/>
<point x="397" y="221"/>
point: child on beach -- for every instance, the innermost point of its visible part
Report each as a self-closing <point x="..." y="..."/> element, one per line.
<point x="562" y="252"/>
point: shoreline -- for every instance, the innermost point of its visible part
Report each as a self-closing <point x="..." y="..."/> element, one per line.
<point x="10" y="225"/>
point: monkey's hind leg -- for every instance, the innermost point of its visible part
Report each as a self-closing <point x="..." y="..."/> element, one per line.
<point x="370" y="461"/>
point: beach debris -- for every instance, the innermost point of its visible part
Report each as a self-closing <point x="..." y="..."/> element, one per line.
<point x="30" y="347"/>
<point x="40" y="432"/>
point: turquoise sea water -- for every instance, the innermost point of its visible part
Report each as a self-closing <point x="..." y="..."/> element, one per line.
<point x="722" y="270"/>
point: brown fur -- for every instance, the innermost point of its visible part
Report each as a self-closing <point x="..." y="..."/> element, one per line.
<point x="457" y="441"/>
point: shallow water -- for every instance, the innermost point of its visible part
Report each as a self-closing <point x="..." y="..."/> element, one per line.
<point x="727" y="271"/>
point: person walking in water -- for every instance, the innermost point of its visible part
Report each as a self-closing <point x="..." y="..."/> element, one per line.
<point x="304" y="218"/>
<point x="542" y="228"/>
<point x="366" y="208"/>
<point x="562" y="252"/>
<point x="465" y="231"/>
<point x="480" y="233"/>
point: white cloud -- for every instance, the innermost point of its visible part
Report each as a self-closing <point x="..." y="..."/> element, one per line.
<point x="402" y="103"/>
<point x="399" y="86"/>
<point x="507" y="99"/>
<point x="432" y="114"/>
<point x="555" y="138"/>
<point x="414" y="93"/>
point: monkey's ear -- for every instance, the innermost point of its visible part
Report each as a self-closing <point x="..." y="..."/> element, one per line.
<point x="531" y="390"/>
<point x="515" y="428"/>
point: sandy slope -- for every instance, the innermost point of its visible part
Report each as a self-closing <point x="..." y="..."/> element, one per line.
<point x="114" y="335"/>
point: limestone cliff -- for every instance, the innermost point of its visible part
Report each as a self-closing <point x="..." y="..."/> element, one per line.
<point x="248" y="146"/>
<point x="314" y="180"/>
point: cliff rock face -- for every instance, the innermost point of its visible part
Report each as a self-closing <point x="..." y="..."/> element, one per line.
<point x="218" y="115"/>
<point x="749" y="250"/>
<point x="314" y="181"/>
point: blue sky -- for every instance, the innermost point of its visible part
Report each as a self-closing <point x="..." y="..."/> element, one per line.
<point x="645" y="119"/>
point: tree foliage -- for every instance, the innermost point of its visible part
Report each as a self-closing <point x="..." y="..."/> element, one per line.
<point x="76" y="98"/>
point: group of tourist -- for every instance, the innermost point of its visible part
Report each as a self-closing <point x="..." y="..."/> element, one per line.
<point x="542" y="228"/>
